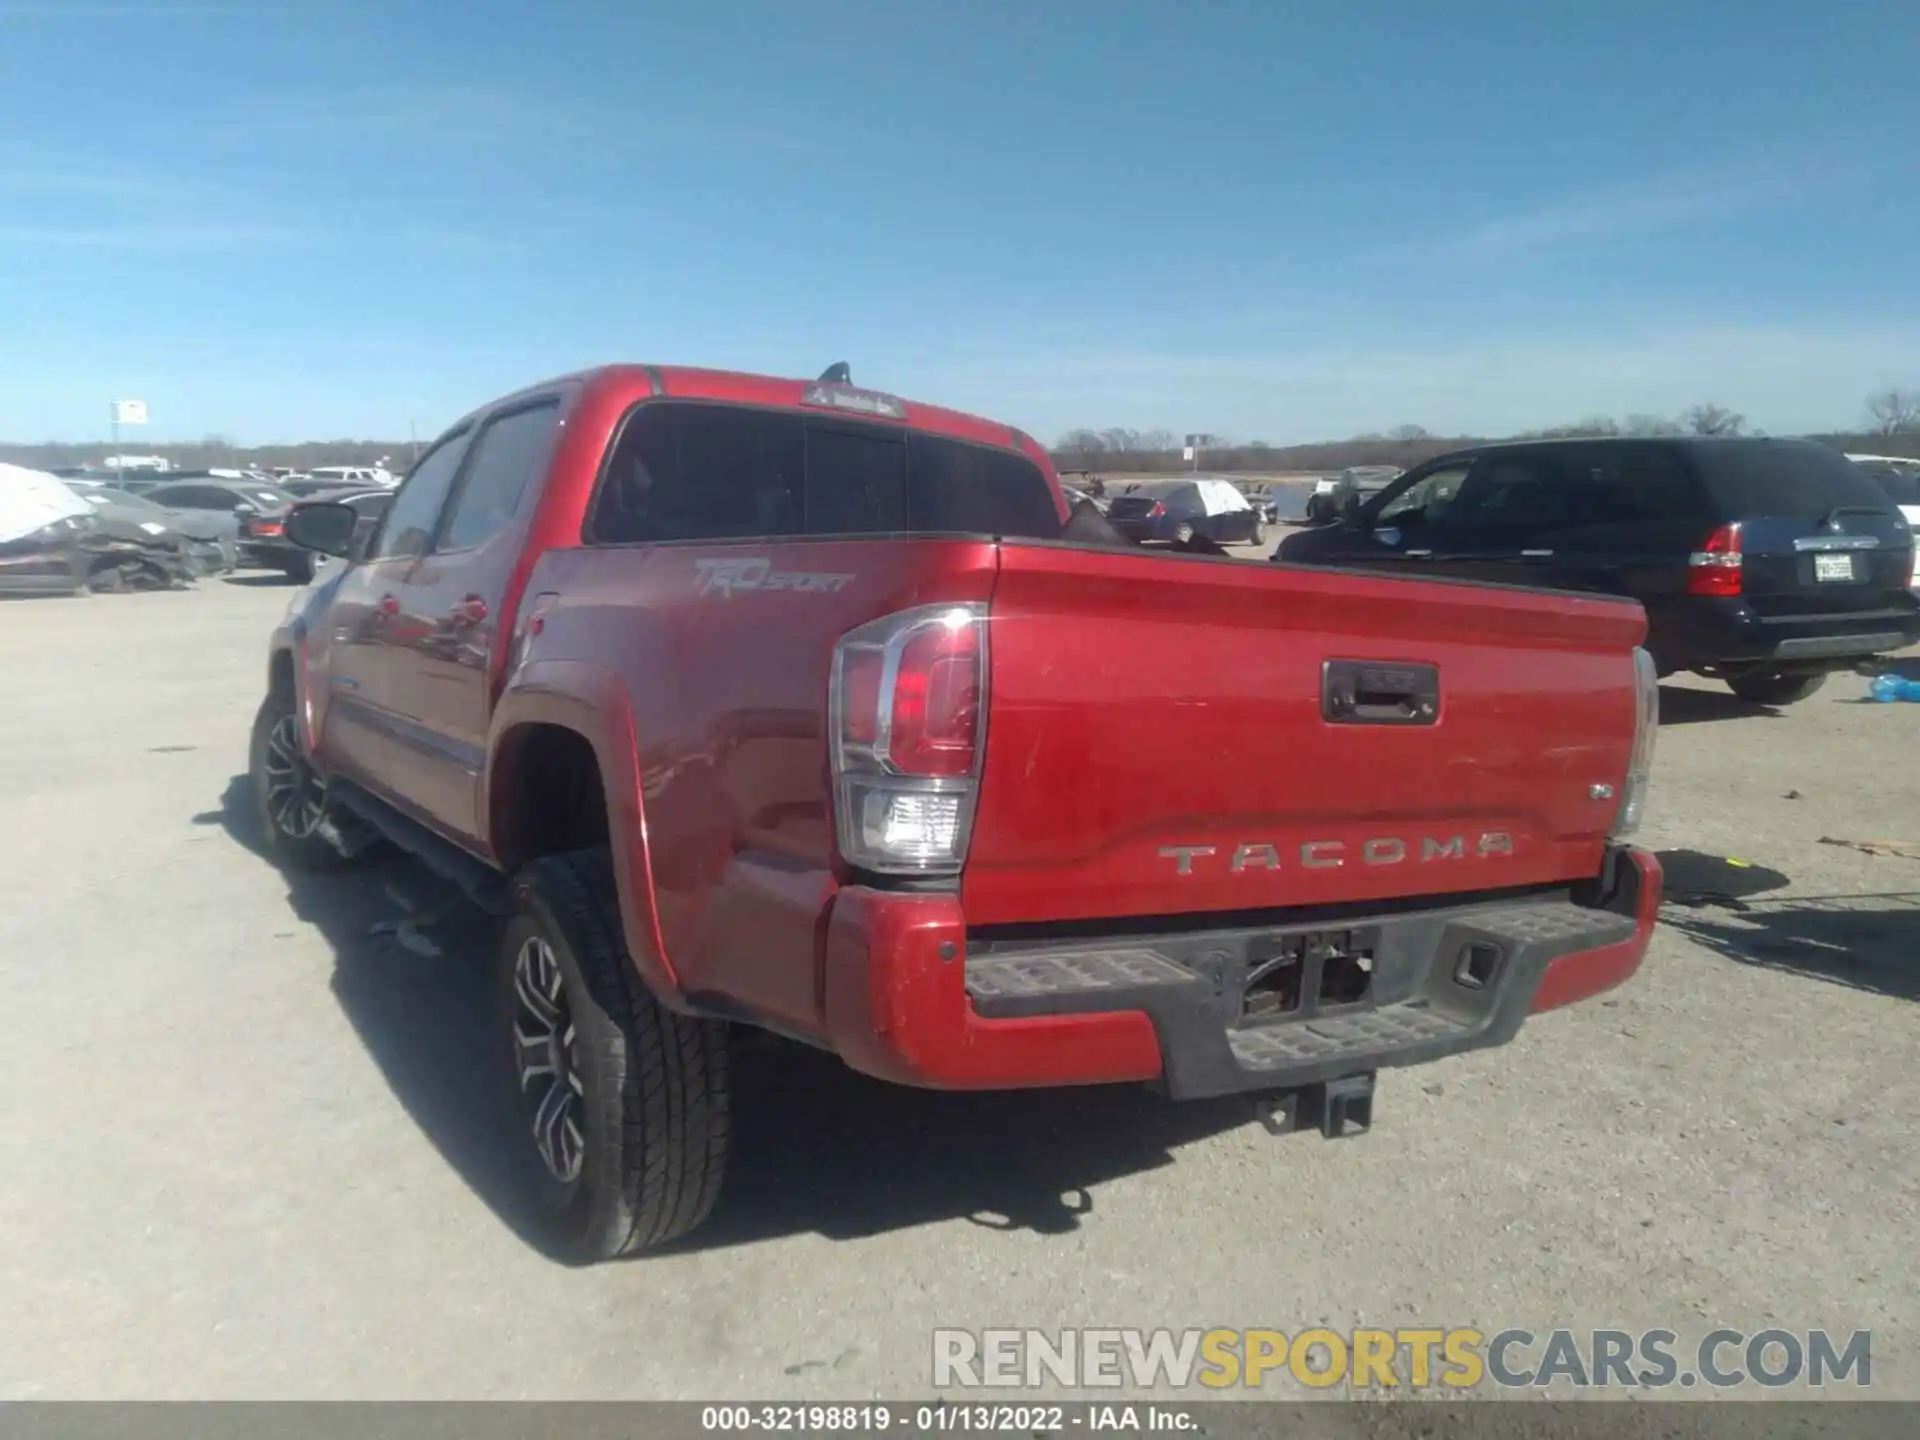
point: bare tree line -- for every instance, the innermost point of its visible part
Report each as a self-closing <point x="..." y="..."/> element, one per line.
<point x="1893" y="416"/>
<point x="1893" y="424"/>
<point x="215" y="452"/>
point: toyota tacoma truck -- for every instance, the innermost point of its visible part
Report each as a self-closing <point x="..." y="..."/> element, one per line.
<point x="754" y="703"/>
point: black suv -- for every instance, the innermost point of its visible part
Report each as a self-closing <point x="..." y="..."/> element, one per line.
<point x="1765" y="563"/>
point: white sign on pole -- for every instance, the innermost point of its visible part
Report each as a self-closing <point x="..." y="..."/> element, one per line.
<point x="1187" y="454"/>
<point x="129" y="412"/>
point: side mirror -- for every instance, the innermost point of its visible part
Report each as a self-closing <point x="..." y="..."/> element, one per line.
<point x="323" y="526"/>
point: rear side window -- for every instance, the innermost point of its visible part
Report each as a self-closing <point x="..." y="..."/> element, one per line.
<point x="1632" y="485"/>
<point x="1793" y="479"/>
<point x="715" y="472"/>
<point x="506" y="457"/>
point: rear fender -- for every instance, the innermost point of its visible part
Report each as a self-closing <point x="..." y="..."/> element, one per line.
<point x="591" y="702"/>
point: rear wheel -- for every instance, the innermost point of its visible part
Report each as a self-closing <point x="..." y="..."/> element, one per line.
<point x="622" y="1109"/>
<point x="1774" y="687"/>
<point x="1259" y="530"/>
<point x="1184" y="533"/>
<point x="289" y="798"/>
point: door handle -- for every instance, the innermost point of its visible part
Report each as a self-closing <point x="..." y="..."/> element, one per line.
<point x="389" y="605"/>
<point x="1536" y="554"/>
<point x="470" y="610"/>
<point x="1418" y="554"/>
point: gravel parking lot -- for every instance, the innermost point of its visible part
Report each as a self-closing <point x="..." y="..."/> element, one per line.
<point x="245" y="1153"/>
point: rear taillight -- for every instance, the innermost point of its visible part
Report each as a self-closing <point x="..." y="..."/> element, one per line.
<point x="908" y="715"/>
<point x="265" y="527"/>
<point x="1157" y="511"/>
<point x="1715" y="568"/>
<point x="1646" y="728"/>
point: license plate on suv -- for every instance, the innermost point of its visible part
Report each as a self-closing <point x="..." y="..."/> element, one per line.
<point x="1832" y="567"/>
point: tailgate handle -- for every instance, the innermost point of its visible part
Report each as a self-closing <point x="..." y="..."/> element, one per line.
<point x="1375" y="692"/>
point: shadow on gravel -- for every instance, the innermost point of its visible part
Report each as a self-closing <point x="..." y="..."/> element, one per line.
<point x="1680" y="706"/>
<point x="260" y="580"/>
<point x="817" y="1148"/>
<point x="1865" y="942"/>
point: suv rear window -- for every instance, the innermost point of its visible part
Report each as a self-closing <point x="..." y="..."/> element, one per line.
<point x="692" y="471"/>
<point x="1794" y="479"/>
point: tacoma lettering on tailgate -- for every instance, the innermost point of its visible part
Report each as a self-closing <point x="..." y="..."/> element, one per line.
<point x="1331" y="854"/>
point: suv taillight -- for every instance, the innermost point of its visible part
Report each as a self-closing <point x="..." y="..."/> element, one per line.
<point x="908" y="712"/>
<point x="1715" y="568"/>
<point x="1157" y="511"/>
<point x="1646" y="728"/>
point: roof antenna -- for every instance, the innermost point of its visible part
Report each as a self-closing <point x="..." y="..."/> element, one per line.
<point x="838" y="373"/>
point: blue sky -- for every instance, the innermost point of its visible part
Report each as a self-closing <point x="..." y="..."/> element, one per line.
<point x="1266" y="220"/>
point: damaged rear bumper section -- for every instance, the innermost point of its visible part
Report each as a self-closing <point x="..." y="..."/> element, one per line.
<point x="910" y="997"/>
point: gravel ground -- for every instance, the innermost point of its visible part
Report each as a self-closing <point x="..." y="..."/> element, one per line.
<point x="243" y="1155"/>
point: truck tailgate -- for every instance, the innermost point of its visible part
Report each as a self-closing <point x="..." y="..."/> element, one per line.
<point x="1156" y="743"/>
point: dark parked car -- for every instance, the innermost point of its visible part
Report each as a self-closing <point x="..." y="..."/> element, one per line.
<point x="307" y="487"/>
<point x="1181" y="509"/>
<point x="1763" y="563"/>
<point x="370" y="505"/>
<point x="1327" y="505"/>
<point x="209" y="541"/>
<point x="260" y="509"/>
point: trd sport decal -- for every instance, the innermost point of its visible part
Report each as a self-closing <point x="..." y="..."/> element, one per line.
<point x="729" y="577"/>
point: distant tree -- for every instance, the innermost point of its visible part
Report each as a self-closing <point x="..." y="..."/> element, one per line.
<point x="1082" y="442"/>
<point x="1121" y="440"/>
<point x="1711" y="419"/>
<point x="1371" y="437"/>
<point x="1649" y="425"/>
<point x="1159" y="441"/>
<point x="1894" y="411"/>
<point x="1407" y="432"/>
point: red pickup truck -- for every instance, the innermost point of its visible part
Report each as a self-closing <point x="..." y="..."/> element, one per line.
<point x="790" y="705"/>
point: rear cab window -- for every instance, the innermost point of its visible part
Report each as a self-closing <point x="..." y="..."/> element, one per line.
<point x="688" y="470"/>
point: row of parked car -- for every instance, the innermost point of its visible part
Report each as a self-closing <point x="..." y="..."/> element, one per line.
<point x="163" y="529"/>
<point x="1767" y="564"/>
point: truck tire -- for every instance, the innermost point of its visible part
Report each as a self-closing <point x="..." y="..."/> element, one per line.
<point x="621" y="1107"/>
<point x="1771" y="687"/>
<point x="1184" y="533"/>
<point x="289" y="799"/>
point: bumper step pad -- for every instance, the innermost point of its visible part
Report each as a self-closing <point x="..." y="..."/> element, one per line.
<point x="1282" y="1045"/>
<point x="1441" y="981"/>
